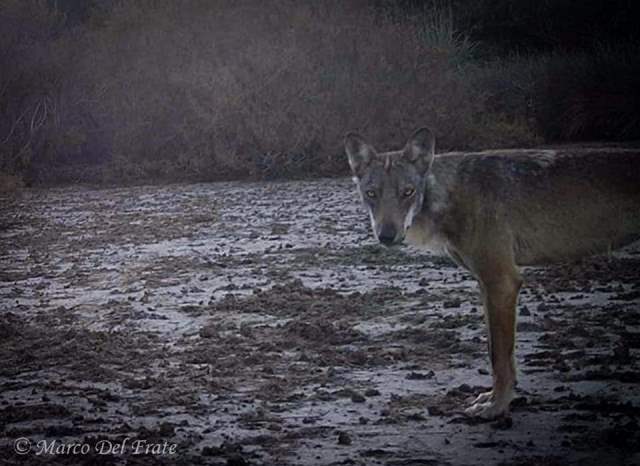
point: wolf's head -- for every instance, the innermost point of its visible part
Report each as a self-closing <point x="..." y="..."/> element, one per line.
<point x="391" y="184"/>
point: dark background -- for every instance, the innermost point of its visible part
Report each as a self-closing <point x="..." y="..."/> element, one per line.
<point x="155" y="91"/>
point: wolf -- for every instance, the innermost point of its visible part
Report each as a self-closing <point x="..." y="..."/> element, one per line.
<point x="495" y="211"/>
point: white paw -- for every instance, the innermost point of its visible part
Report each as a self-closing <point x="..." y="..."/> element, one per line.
<point x="483" y="397"/>
<point x="487" y="410"/>
<point x="489" y="406"/>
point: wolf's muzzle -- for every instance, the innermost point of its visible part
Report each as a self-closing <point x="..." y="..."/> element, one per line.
<point x="388" y="235"/>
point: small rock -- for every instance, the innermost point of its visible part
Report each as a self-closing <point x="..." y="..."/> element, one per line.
<point x="208" y="332"/>
<point x="415" y="417"/>
<point x="344" y="438"/>
<point x="464" y="388"/>
<point x="621" y="353"/>
<point x="210" y="451"/>
<point x="419" y="375"/>
<point x="435" y="411"/>
<point x="166" y="429"/>
<point x="451" y="303"/>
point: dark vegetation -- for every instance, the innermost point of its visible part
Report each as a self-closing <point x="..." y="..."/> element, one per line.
<point x="158" y="90"/>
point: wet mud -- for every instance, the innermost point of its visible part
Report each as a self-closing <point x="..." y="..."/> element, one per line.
<point x="260" y="324"/>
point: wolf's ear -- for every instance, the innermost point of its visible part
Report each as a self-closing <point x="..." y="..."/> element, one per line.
<point x="420" y="149"/>
<point x="359" y="152"/>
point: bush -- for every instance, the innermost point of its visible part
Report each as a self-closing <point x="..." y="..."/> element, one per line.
<point x="586" y="95"/>
<point x="591" y="95"/>
<point x="233" y="91"/>
<point x="156" y="90"/>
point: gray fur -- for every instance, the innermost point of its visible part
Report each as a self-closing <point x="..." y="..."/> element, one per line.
<point x="493" y="211"/>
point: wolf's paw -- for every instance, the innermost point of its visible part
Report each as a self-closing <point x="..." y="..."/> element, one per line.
<point x="488" y="406"/>
<point x="483" y="397"/>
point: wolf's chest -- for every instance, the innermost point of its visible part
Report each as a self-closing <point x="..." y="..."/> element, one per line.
<point x="423" y="237"/>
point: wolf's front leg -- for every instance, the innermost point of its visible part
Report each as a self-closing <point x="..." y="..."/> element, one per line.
<point x="500" y="295"/>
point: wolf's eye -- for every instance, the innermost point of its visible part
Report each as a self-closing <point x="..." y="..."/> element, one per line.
<point x="409" y="192"/>
<point x="371" y="194"/>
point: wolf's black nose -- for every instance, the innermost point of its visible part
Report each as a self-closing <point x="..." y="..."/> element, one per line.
<point x="387" y="235"/>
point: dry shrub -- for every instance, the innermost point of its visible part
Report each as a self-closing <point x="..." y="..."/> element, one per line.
<point x="27" y="81"/>
<point x="562" y="96"/>
<point x="43" y="121"/>
<point x="158" y="90"/>
<point x="591" y="95"/>
<point x="266" y="88"/>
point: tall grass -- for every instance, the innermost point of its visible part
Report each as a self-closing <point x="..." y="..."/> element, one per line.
<point x="438" y="31"/>
<point x="156" y="90"/>
<point x="233" y="91"/>
<point x="29" y="82"/>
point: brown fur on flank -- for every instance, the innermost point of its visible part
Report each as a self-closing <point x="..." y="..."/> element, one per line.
<point x="493" y="211"/>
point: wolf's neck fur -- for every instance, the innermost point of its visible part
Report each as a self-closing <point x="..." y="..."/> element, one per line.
<point x="436" y="196"/>
<point x="426" y="230"/>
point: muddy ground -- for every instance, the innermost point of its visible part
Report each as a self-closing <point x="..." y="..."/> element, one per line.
<point x="260" y="324"/>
